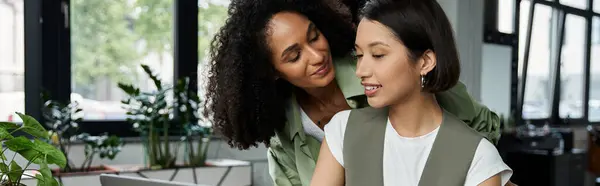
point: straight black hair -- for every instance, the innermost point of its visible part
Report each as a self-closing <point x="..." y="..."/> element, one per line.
<point x="421" y="25"/>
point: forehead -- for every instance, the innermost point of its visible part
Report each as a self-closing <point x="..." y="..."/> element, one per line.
<point x="369" y="31"/>
<point x="286" y="26"/>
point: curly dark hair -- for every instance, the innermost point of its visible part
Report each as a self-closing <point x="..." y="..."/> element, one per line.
<point x="244" y="100"/>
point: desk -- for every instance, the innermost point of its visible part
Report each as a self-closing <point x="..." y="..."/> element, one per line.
<point x="225" y="172"/>
<point x="210" y="163"/>
<point x="566" y="169"/>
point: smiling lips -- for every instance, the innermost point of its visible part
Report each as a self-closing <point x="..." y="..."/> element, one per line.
<point x="371" y="89"/>
<point x="324" y="69"/>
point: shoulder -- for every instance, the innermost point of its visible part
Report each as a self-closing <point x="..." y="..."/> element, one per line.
<point x="334" y="134"/>
<point x="487" y="151"/>
<point x="280" y="142"/>
<point x="487" y="163"/>
<point x="337" y="124"/>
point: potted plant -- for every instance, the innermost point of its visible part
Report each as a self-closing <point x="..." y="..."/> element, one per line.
<point x="156" y="120"/>
<point x="149" y="113"/>
<point x="35" y="151"/>
<point x="106" y="147"/>
<point x="196" y="137"/>
<point x="62" y="121"/>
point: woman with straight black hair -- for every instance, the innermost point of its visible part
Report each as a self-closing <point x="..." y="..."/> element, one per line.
<point x="280" y="69"/>
<point x="406" y="56"/>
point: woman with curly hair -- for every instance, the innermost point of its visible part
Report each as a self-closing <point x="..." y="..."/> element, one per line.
<point x="280" y="69"/>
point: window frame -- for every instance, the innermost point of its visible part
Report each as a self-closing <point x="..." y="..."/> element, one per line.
<point x="493" y="36"/>
<point x="48" y="57"/>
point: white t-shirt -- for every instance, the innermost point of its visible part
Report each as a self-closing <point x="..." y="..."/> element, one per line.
<point x="310" y="128"/>
<point x="404" y="158"/>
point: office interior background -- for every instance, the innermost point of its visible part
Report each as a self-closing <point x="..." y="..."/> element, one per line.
<point x="534" y="62"/>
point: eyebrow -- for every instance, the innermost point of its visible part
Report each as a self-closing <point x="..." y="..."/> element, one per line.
<point x="310" y="28"/>
<point x="377" y="43"/>
<point x="373" y="44"/>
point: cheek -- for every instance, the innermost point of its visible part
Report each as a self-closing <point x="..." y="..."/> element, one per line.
<point x="398" y="78"/>
<point x="294" y="73"/>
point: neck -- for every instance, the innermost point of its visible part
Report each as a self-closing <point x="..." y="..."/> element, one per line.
<point x="323" y="95"/>
<point x="416" y="116"/>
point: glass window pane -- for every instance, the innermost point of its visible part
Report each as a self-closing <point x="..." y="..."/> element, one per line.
<point x="594" y="103"/>
<point x="597" y="6"/>
<point x="211" y="16"/>
<point x="581" y="4"/>
<point x="523" y="20"/>
<point x="572" y="66"/>
<point x="537" y="91"/>
<point x="12" y="96"/>
<point x="110" y="40"/>
<point x="506" y="16"/>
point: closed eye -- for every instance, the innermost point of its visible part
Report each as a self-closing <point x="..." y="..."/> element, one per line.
<point x="358" y="56"/>
<point x="378" y="56"/>
<point x="317" y="34"/>
<point x="296" y="57"/>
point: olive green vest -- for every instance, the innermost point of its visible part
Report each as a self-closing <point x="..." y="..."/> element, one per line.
<point x="448" y="162"/>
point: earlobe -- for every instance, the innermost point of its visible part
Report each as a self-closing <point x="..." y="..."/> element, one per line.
<point x="429" y="62"/>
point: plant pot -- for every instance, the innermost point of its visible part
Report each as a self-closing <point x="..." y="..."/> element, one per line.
<point x="92" y="171"/>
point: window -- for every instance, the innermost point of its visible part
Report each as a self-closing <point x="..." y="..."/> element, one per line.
<point x="581" y="4"/>
<point x="572" y="68"/>
<point x="594" y="102"/>
<point x="506" y="16"/>
<point x="538" y="93"/>
<point x="523" y="20"/>
<point x="211" y="16"/>
<point x="597" y="6"/>
<point x="596" y="31"/>
<point x="109" y="42"/>
<point x="12" y="96"/>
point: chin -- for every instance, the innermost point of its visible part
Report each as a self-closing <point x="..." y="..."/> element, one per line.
<point x="375" y="102"/>
<point x="327" y="79"/>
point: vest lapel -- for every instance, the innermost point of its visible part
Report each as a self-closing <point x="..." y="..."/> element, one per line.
<point x="451" y="155"/>
<point x="363" y="147"/>
<point x="447" y="164"/>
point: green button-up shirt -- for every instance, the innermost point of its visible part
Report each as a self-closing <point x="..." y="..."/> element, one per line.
<point x="293" y="154"/>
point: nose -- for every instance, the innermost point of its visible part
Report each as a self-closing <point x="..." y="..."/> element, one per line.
<point x="363" y="69"/>
<point x="315" y="57"/>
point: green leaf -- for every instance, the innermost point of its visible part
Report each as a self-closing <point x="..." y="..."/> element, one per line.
<point x="31" y="155"/>
<point x="46" y="175"/>
<point x="129" y="89"/>
<point x="8" y="125"/>
<point x="53" y="155"/>
<point x="33" y="127"/>
<point x="3" y="168"/>
<point x="18" y="144"/>
<point x="5" y="134"/>
<point x="40" y="180"/>
<point x="15" y="171"/>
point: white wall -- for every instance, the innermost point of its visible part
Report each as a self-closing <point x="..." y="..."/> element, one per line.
<point x="495" y="78"/>
<point x="466" y="17"/>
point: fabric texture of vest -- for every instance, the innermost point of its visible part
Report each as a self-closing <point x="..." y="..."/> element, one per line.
<point x="448" y="162"/>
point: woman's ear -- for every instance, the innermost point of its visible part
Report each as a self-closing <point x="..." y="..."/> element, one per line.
<point x="428" y="61"/>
